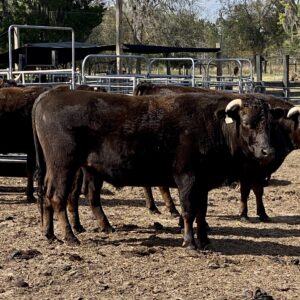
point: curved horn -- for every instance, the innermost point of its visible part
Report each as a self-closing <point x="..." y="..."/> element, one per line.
<point x="293" y="111"/>
<point x="232" y="104"/>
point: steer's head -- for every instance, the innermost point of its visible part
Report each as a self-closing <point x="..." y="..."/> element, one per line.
<point x="294" y="115"/>
<point x="250" y="120"/>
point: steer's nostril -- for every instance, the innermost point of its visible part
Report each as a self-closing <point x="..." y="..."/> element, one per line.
<point x="266" y="152"/>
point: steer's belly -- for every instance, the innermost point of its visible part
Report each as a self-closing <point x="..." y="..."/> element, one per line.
<point x="134" y="169"/>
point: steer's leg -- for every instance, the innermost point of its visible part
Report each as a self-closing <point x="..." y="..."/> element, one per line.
<point x="201" y="219"/>
<point x="47" y="220"/>
<point x="185" y="184"/>
<point x="258" y="190"/>
<point x="30" y="166"/>
<point x="93" y="186"/>
<point x="150" y="204"/>
<point x="245" y="191"/>
<point x="73" y="202"/>
<point x="62" y="181"/>
<point x="165" y="192"/>
<point x="61" y="212"/>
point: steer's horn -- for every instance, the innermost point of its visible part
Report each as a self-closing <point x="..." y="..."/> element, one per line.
<point x="293" y="111"/>
<point x="232" y="104"/>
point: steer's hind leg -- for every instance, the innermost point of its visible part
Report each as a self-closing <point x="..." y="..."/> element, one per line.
<point x="92" y="191"/>
<point x="165" y="192"/>
<point x="150" y="204"/>
<point x="61" y="184"/>
<point x="73" y="202"/>
<point x="47" y="221"/>
<point x="30" y="168"/>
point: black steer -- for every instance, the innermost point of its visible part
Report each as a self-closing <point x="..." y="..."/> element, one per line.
<point x="250" y="174"/>
<point x="175" y="141"/>
<point x="16" y="126"/>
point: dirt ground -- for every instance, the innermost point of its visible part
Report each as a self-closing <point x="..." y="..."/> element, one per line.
<point x="144" y="258"/>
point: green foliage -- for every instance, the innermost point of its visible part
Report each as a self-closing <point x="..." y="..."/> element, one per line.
<point x="81" y="15"/>
<point x="164" y="23"/>
<point x="251" y="26"/>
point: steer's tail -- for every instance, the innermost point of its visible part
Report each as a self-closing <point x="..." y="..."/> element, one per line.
<point x="40" y="172"/>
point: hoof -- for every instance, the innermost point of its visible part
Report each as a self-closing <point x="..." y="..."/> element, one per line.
<point x="174" y="213"/>
<point x="108" y="229"/>
<point x="154" y="211"/>
<point x="31" y="199"/>
<point x="244" y="219"/>
<point x="265" y="219"/>
<point x="72" y="241"/>
<point x="189" y="245"/>
<point x="207" y="227"/>
<point x="206" y="245"/>
<point x="53" y="240"/>
<point x="79" y="229"/>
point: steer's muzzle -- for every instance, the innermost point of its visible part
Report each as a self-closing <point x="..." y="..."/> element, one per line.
<point x="264" y="154"/>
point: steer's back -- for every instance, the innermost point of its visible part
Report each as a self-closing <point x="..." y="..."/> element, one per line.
<point x="15" y="118"/>
<point x="128" y="140"/>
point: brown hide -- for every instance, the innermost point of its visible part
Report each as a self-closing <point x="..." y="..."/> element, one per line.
<point x="16" y="126"/>
<point x="179" y="140"/>
<point x="286" y="140"/>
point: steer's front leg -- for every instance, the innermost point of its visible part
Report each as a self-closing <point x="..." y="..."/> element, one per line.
<point x="185" y="185"/>
<point x="201" y="219"/>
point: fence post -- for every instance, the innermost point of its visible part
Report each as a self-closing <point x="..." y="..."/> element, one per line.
<point x="286" y="71"/>
<point x="219" y="66"/>
<point x="258" y="67"/>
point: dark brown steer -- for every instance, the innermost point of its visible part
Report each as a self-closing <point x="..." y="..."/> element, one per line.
<point x="175" y="141"/>
<point x="16" y="126"/>
<point x="76" y="191"/>
<point x="250" y="174"/>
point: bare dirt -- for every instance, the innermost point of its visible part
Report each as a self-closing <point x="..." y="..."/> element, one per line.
<point x="144" y="258"/>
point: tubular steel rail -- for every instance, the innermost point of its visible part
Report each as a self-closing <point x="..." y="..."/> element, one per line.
<point x="243" y="83"/>
<point x="70" y="71"/>
<point x="124" y="83"/>
<point x="171" y="79"/>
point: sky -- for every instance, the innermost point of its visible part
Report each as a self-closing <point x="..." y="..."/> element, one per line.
<point x="211" y="8"/>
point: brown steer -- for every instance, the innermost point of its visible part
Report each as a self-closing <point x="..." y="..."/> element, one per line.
<point x="176" y="141"/>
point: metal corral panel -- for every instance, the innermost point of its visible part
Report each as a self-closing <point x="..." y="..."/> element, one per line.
<point x="13" y="165"/>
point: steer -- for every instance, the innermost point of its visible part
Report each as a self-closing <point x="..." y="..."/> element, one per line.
<point x="16" y="126"/>
<point x="250" y="174"/>
<point x="185" y="141"/>
<point x="150" y="204"/>
<point x="148" y="88"/>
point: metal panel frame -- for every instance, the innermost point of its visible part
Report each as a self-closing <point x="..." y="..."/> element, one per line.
<point x="242" y="80"/>
<point x="11" y="27"/>
<point x="173" y="59"/>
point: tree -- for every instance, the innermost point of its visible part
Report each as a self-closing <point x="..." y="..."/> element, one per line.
<point x="81" y="15"/>
<point x="290" y="21"/>
<point x="289" y="18"/>
<point x="165" y="22"/>
<point x="251" y="26"/>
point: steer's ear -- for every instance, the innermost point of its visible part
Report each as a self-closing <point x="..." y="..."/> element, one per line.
<point x="229" y="116"/>
<point x="221" y="114"/>
<point x="277" y="112"/>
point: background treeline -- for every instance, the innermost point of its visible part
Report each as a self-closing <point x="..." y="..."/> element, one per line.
<point x="244" y="28"/>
